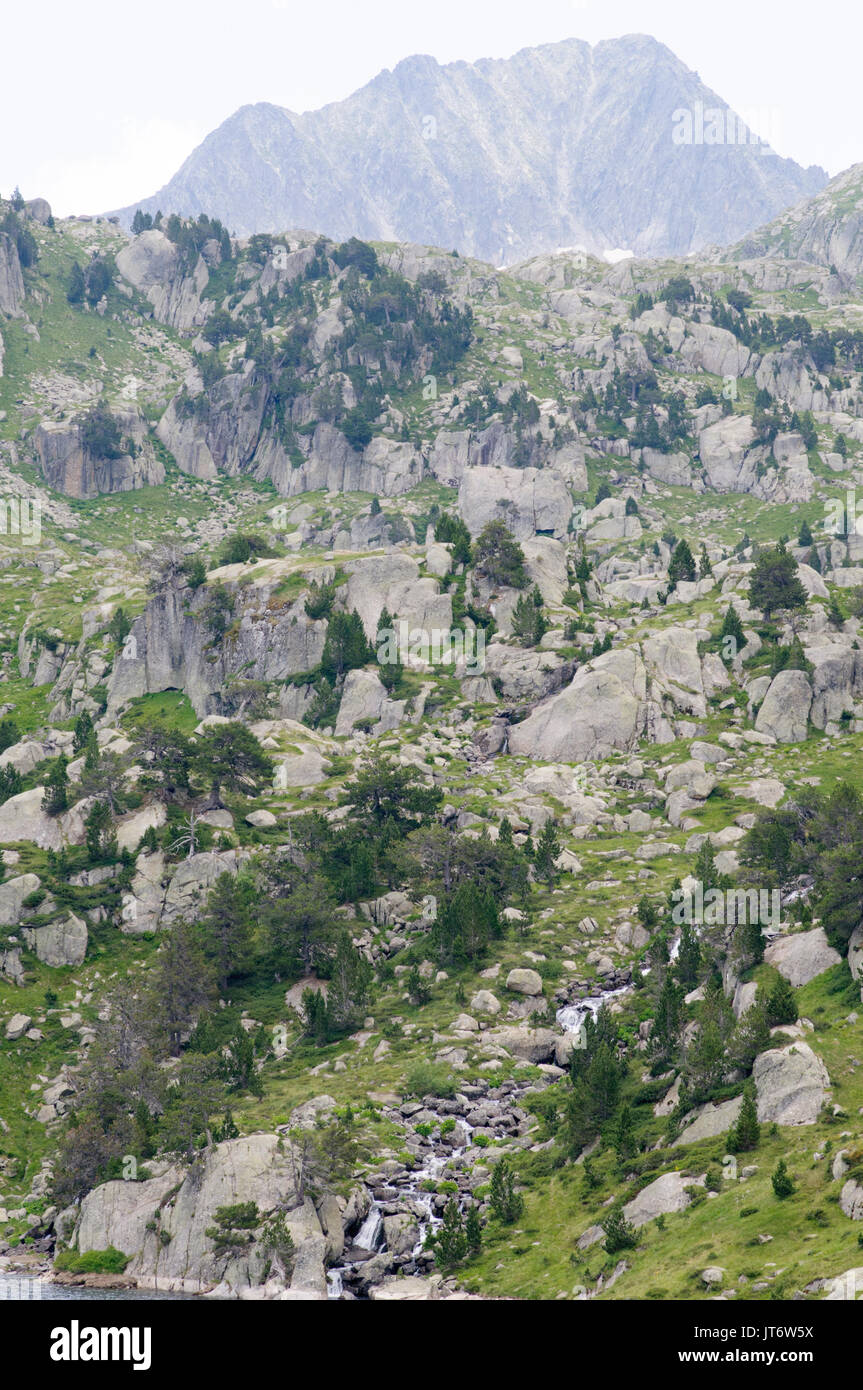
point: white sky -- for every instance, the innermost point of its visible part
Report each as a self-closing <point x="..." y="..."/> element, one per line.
<point x="100" y="102"/>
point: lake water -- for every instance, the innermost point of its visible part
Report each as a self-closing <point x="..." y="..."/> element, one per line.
<point x="21" y="1288"/>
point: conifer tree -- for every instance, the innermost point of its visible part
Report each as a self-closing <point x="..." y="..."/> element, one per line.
<point x="55" y="797"/>
<point x="747" y="1131"/>
<point x="506" y="1203"/>
<point x="473" y="1231"/>
<point x="782" y="1003"/>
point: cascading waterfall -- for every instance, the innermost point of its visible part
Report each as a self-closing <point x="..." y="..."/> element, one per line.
<point x="572" y="1016"/>
<point x="370" y="1232"/>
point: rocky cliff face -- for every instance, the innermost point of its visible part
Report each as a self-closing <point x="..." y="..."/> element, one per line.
<point x="174" y="647"/>
<point x="11" y="279"/>
<point x="826" y="229"/>
<point x="257" y="1168"/>
<point x="153" y="265"/>
<point x="68" y="466"/>
<point x="558" y="145"/>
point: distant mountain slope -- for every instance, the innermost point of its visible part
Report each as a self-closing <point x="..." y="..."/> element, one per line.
<point x="503" y="159"/>
<point x="826" y="229"/>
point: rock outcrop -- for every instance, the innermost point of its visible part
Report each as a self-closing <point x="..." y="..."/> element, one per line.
<point x="791" y="1085"/>
<point x="259" y="1168"/>
<point x="597" y="713"/>
<point x="68" y="466"/>
<point x="803" y="956"/>
<point x="154" y="265"/>
<point x="11" y="278"/>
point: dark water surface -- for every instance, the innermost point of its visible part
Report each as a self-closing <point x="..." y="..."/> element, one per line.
<point x="19" y="1287"/>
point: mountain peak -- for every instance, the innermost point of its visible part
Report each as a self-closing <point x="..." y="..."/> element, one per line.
<point x="558" y="145"/>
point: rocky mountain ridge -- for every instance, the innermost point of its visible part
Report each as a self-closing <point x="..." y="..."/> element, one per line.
<point x="557" y="146"/>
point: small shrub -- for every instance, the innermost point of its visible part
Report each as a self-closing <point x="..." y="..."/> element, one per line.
<point x="110" y="1261"/>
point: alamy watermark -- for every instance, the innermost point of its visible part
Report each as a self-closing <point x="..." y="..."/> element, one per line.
<point x="21" y="516"/>
<point x="719" y="125"/>
<point x="729" y="906"/>
<point x="437" y="646"/>
<point x="21" y="1289"/>
<point x="844" y="516"/>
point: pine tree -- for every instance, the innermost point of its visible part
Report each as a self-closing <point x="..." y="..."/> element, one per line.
<point x="75" y="287"/>
<point x="668" y="1020"/>
<point x="705" y="870"/>
<point x="183" y="985"/>
<point x="732" y="626"/>
<point x="835" y="615"/>
<point x="55" y="797"/>
<point x="747" y="1131"/>
<point x="83" y="730"/>
<point x="774" y="583"/>
<point x="473" y="1231"/>
<point x="783" y="1185"/>
<point x="450" y="1241"/>
<point x="688" y="956"/>
<point x="546" y="853"/>
<point x="350" y="985"/>
<point x="623" y="1137"/>
<point x="226" y="927"/>
<point x="465" y="923"/>
<point x="417" y="987"/>
<point x="506" y="1204"/>
<point x="681" y="565"/>
<point x="529" y="624"/>
<point x="805" y="535"/>
<point x="782" y="1003"/>
<point x="101" y="836"/>
<point x="619" y="1234"/>
<point x="391" y="670"/>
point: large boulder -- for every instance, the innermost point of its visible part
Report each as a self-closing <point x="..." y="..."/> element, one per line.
<point x="784" y="712"/>
<point x="664" y="1195"/>
<point x="193" y="878"/>
<point x="710" y="1121"/>
<point x="60" y="943"/>
<point x="393" y="582"/>
<point x="142" y="905"/>
<point x="11" y="279"/>
<point x="802" y="956"/>
<point x="132" y="828"/>
<point x="707" y="348"/>
<point x="596" y="714"/>
<point x="527" y="1044"/>
<point x="545" y="563"/>
<point x="524" y="982"/>
<point x="837" y="678"/>
<point x="364" y="698"/>
<point x="386" y="467"/>
<point x="726" y="454"/>
<point x="22" y="818"/>
<point x="529" y="500"/>
<point x="851" y="1200"/>
<point x="525" y="675"/>
<point x="855" y="952"/>
<point x="791" y="1085"/>
<point x="17" y="1026"/>
<point x="258" y="1168"/>
<point x="12" y="895"/>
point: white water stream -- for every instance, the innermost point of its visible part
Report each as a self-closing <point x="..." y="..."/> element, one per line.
<point x="572" y="1016"/>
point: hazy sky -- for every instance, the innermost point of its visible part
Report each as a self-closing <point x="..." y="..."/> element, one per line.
<point x="100" y="102"/>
